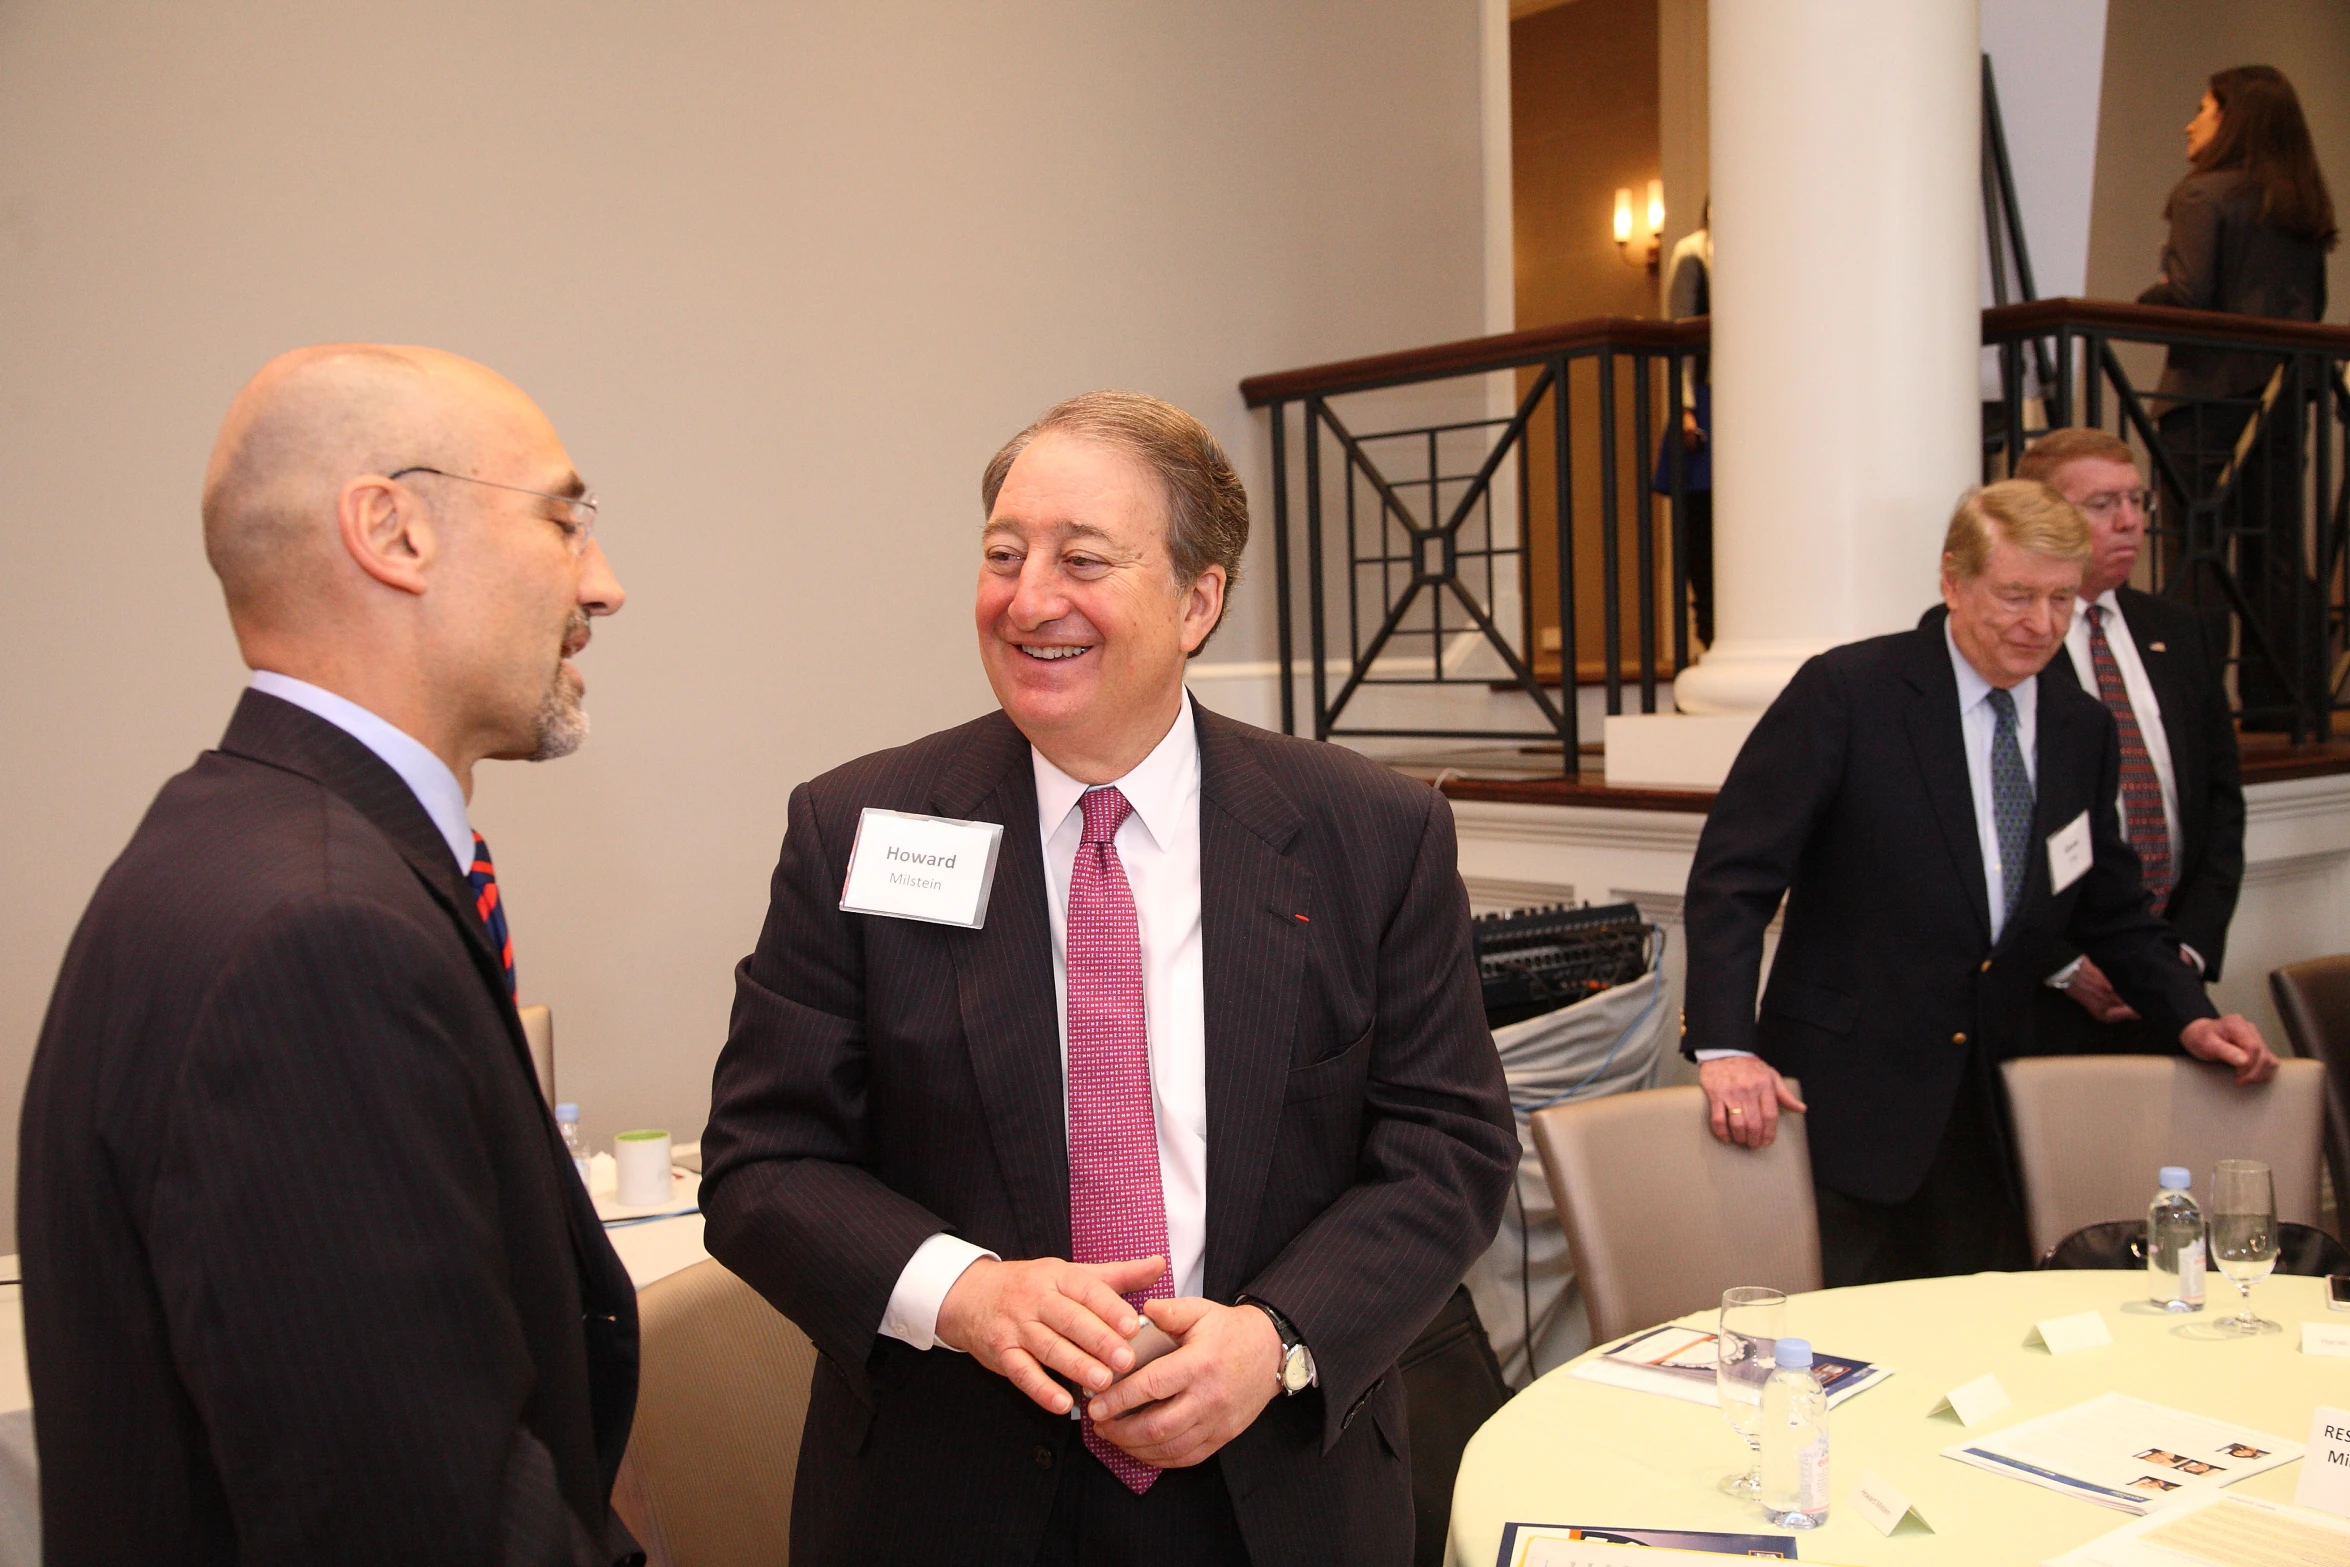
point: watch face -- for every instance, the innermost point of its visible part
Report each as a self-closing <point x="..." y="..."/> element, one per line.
<point x="1297" y="1369"/>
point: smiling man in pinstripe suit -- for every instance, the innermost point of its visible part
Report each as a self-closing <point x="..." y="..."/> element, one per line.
<point x="1216" y="1058"/>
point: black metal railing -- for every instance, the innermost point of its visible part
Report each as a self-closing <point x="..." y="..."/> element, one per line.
<point x="1430" y="541"/>
<point x="2252" y="513"/>
<point x="1426" y="543"/>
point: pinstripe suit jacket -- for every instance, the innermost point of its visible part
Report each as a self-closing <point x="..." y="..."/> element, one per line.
<point x="887" y="1079"/>
<point x="307" y="1275"/>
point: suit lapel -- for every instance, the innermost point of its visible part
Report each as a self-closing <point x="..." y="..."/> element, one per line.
<point x="1252" y="951"/>
<point x="279" y="734"/>
<point x="1939" y="744"/>
<point x="1004" y="986"/>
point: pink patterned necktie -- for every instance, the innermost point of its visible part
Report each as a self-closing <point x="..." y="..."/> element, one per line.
<point x="2142" y="815"/>
<point x="1117" y="1211"/>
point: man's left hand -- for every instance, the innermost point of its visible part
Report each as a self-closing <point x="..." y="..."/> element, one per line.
<point x="1182" y="1407"/>
<point x="2231" y="1041"/>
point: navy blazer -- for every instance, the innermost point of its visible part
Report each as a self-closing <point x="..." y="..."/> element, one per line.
<point x="1851" y="801"/>
<point x="887" y="1079"/>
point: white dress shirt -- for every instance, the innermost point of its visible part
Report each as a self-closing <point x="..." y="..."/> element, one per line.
<point x="427" y="776"/>
<point x="1159" y="846"/>
<point x="2146" y="707"/>
<point x="2143" y="702"/>
<point x="1977" y="725"/>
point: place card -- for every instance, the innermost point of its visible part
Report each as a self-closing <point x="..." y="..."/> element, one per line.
<point x="2325" y="1338"/>
<point x="2325" y="1468"/>
<point x="2063" y="1335"/>
<point x="1882" y="1504"/>
<point x="1976" y="1402"/>
<point x="930" y="868"/>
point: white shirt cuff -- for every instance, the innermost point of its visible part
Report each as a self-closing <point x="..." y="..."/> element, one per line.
<point x="1704" y="1056"/>
<point x="2064" y="976"/>
<point x="912" y="1315"/>
<point x="2195" y="958"/>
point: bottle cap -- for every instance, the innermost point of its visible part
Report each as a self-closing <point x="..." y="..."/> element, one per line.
<point x="2176" y="1178"/>
<point x="567" y="1111"/>
<point x="1792" y="1354"/>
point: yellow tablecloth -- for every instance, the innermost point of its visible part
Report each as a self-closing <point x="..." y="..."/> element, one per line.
<point x="1567" y="1451"/>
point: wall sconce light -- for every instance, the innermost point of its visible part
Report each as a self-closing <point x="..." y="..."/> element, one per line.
<point x="1656" y="222"/>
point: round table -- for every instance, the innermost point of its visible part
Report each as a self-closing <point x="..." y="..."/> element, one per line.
<point x="1567" y="1451"/>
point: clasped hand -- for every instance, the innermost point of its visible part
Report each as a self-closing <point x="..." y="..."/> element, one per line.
<point x="1026" y="1320"/>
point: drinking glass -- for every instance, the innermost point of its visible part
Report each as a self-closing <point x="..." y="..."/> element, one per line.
<point x="2244" y="1235"/>
<point x="1752" y="1321"/>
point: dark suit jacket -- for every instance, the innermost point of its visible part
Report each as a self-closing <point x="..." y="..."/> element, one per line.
<point x="308" y="1276"/>
<point x="2221" y="256"/>
<point x="2185" y="656"/>
<point x="1851" y="799"/>
<point x="887" y="1079"/>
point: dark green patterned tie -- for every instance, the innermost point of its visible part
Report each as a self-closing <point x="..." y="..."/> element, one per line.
<point x="2011" y="802"/>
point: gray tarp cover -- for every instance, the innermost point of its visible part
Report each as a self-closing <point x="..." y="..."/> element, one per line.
<point x="1610" y="1044"/>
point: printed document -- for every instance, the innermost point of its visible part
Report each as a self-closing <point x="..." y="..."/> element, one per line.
<point x="2125" y="1453"/>
<point x="2220" y="1531"/>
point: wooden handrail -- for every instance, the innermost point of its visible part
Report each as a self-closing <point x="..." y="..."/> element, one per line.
<point x="1473" y="355"/>
<point x="1513" y="350"/>
<point x="2042" y="316"/>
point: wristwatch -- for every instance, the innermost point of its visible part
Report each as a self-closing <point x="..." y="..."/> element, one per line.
<point x="1296" y="1372"/>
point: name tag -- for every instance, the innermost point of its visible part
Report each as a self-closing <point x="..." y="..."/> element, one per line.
<point x="2069" y="854"/>
<point x="930" y="868"/>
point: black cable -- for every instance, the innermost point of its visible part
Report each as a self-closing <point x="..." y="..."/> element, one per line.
<point x="1525" y="1272"/>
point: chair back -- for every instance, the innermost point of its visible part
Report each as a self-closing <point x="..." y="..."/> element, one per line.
<point x="707" y="1480"/>
<point x="1661" y="1218"/>
<point x="2313" y="998"/>
<point x="2091" y="1132"/>
<point x="538" y="1026"/>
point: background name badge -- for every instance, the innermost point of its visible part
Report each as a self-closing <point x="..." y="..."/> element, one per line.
<point x="930" y="868"/>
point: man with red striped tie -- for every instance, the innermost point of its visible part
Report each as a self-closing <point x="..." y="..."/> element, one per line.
<point x="2160" y="667"/>
<point x="1214" y="1058"/>
<point x="308" y="1275"/>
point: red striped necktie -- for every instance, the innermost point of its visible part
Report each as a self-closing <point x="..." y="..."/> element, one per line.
<point x="1117" y="1210"/>
<point x="2142" y="817"/>
<point x="492" y="908"/>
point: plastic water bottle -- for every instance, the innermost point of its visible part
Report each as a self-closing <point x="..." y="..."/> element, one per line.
<point x="1794" y="1440"/>
<point x="567" y="1119"/>
<point x="2174" y="1243"/>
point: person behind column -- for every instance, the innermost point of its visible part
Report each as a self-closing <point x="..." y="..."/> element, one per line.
<point x="2161" y="670"/>
<point x="1936" y="813"/>
<point x="308" y="1276"/>
<point x="1688" y="293"/>
<point x="1217" y="1056"/>
<point x="2250" y="226"/>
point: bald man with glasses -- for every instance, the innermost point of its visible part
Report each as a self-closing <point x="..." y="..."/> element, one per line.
<point x="308" y="1275"/>
<point x="2160" y="668"/>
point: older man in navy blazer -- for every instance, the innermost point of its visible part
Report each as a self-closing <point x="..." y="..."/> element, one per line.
<point x="1215" y="1059"/>
<point x="1937" y="814"/>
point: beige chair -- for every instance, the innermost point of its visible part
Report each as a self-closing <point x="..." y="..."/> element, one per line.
<point x="538" y="1026"/>
<point x="2092" y="1131"/>
<point x="1661" y="1218"/>
<point x="707" y="1481"/>
<point x="2313" y="998"/>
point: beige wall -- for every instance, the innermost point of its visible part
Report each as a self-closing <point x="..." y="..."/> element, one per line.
<point x="783" y="276"/>
<point x="2158" y="56"/>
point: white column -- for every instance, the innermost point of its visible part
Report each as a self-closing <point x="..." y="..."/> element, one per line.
<point x="1847" y="195"/>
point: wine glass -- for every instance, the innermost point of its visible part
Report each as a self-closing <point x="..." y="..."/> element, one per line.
<point x="1752" y="1321"/>
<point x="2244" y="1235"/>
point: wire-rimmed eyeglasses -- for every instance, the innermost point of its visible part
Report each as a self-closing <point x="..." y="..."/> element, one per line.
<point x="578" y="521"/>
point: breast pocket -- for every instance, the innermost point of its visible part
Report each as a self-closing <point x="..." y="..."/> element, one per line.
<point x="1332" y="1074"/>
